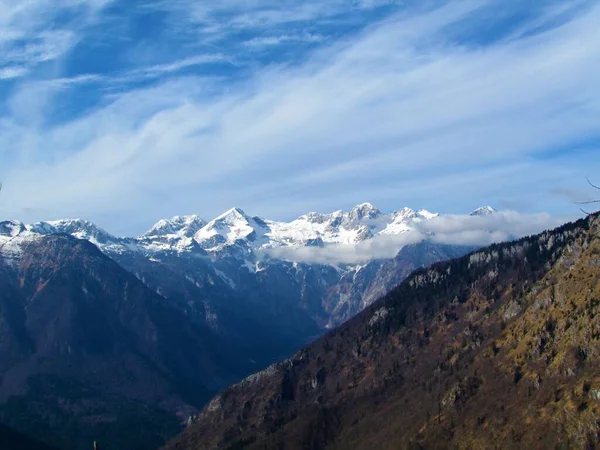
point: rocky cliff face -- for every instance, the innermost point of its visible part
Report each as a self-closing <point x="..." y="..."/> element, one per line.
<point x="359" y="288"/>
<point x="497" y="349"/>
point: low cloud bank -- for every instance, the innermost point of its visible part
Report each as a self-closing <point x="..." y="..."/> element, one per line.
<point x="449" y="229"/>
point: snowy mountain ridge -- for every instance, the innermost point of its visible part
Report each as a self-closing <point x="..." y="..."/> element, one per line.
<point x="183" y="226"/>
<point x="363" y="222"/>
<point x="234" y="228"/>
<point x="205" y="267"/>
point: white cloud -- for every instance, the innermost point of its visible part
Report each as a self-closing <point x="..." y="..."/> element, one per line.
<point x="35" y="31"/>
<point x="225" y="16"/>
<point x="453" y="230"/>
<point x="175" y="66"/>
<point x="404" y="112"/>
<point x="79" y="79"/>
<point x="270" y="41"/>
<point x="7" y="73"/>
<point x="134" y="75"/>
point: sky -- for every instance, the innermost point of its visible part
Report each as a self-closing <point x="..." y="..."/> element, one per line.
<point x="124" y="112"/>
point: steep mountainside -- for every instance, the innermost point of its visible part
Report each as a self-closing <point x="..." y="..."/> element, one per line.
<point x="89" y="352"/>
<point x="358" y="289"/>
<point x="497" y="349"/>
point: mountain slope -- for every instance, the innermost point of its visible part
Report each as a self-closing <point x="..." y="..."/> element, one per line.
<point x="258" y="314"/>
<point x="90" y="352"/>
<point x="497" y="349"/>
<point x="358" y="289"/>
<point x="13" y="440"/>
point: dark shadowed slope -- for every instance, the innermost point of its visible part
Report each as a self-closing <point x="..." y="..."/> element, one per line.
<point x="497" y="349"/>
<point x="87" y="351"/>
<point x="13" y="440"/>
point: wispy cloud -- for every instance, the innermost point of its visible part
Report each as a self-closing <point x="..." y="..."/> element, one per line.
<point x="221" y="21"/>
<point x="158" y="70"/>
<point x="244" y="14"/>
<point x="425" y="108"/>
<point x="6" y="73"/>
<point x="270" y="41"/>
<point x="78" y="79"/>
<point x="135" y="75"/>
<point x="38" y="31"/>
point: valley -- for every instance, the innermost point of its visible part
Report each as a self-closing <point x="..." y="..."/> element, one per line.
<point x="497" y="349"/>
<point x="154" y="326"/>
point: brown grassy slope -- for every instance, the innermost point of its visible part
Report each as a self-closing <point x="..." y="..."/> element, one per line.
<point x="498" y="349"/>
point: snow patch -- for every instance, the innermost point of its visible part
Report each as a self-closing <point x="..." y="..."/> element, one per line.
<point x="228" y="280"/>
<point x="379" y="315"/>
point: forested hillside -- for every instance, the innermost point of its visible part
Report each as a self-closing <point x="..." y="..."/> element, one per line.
<point x="497" y="349"/>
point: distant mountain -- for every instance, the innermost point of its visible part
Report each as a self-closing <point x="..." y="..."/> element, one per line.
<point x="182" y="226"/>
<point x="496" y="349"/>
<point x="220" y="274"/>
<point x="203" y="265"/>
<point x="484" y="211"/>
<point x="363" y="222"/>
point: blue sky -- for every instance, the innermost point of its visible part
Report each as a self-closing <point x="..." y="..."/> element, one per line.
<point x="124" y="112"/>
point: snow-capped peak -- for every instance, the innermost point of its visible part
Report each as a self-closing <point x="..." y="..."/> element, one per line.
<point x="183" y="226"/>
<point x="11" y="228"/>
<point x="483" y="211"/>
<point x="41" y="228"/>
<point x="364" y="211"/>
<point x="237" y="231"/>
<point x="232" y="216"/>
<point x="426" y="215"/>
<point x="363" y="222"/>
<point x="403" y="214"/>
<point x="228" y="228"/>
<point x="79" y="228"/>
<point x="313" y="217"/>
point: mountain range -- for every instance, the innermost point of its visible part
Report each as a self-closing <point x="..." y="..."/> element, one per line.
<point x="231" y="252"/>
<point x="495" y="349"/>
<point x="153" y="326"/>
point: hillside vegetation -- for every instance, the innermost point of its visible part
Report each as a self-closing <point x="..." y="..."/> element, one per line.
<point x="497" y="349"/>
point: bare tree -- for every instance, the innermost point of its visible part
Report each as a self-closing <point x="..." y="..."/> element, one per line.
<point x="589" y="202"/>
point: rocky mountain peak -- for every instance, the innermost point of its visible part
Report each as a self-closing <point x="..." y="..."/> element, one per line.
<point x="11" y="228"/>
<point x="404" y="214"/>
<point x="426" y="215"/>
<point x="184" y="226"/>
<point x="364" y="210"/>
<point x="228" y="228"/>
<point x="483" y="211"/>
<point x="79" y="228"/>
<point x="232" y="216"/>
<point x="313" y="217"/>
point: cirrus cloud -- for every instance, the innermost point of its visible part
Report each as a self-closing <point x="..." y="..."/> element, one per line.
<point x="443" y="106"/>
